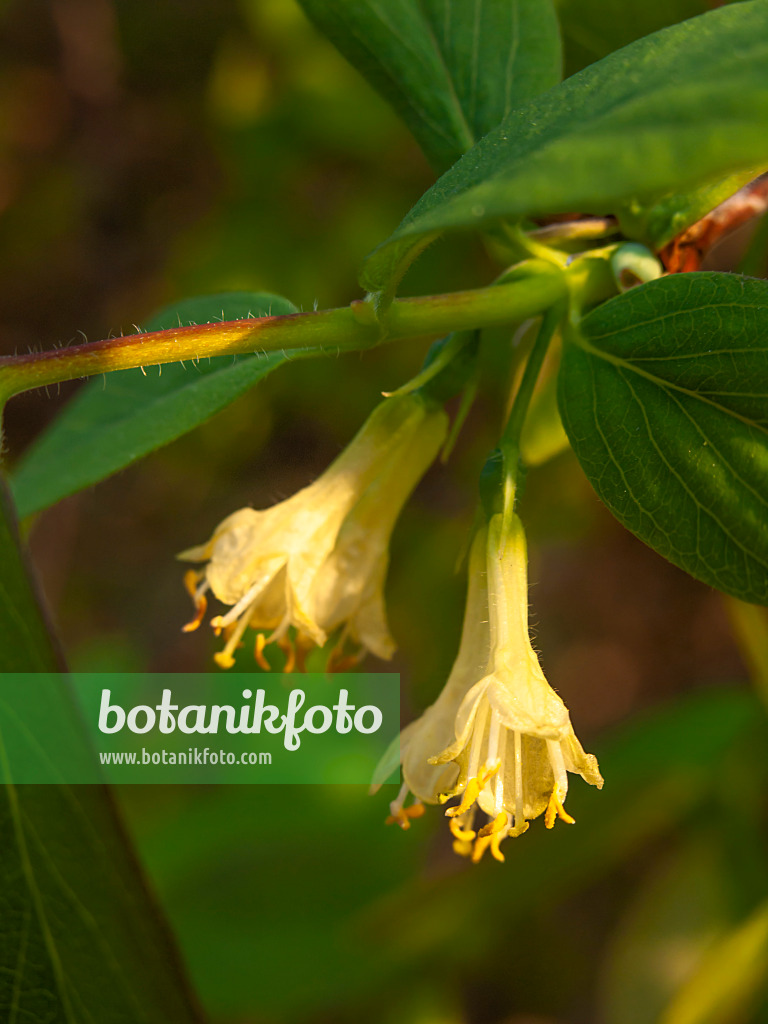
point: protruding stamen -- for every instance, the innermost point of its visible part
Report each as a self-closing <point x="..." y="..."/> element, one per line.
<point x="491" y="836"/>
<point x="481" y="845"/>
<point x="464" y="835"/>
<point x="494" y="734"/>
<point x="224" y="658"/>
<point x="478" y="733"/>
<point x="196" y="591"/>
<point x="396" y="805"/>
<point x="498" y="785"/>
<point x="555" y="810"/>
<point x="286" y="645"/>
<point x="404" y="815"/>
<point x="246" y="600"/>
<point x="519" y="802"/>
<point x="200" y="610"/>
<point x="557" y="763"/>
<point x="462" y="848"/>
<point x="192" y="578"/>
<point x="258" y="652"/>
<point x="473" y="790"/>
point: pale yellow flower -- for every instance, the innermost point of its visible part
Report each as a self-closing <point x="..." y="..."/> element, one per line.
<point x="498" y="737"/>
<point x="319" y="560"/>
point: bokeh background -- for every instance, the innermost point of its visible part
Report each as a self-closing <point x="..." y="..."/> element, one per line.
<point x="153" y="150"/>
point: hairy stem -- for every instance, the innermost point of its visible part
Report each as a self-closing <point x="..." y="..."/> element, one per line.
<point x="336" y="330"/>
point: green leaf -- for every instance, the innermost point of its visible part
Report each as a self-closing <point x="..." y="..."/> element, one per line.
<point x="26" y="641"/>
<point x="80" y="937"/>
<point x="452" y="69"/>
<point x="117" y="419"/>
<point x="660" y="220"/>
<point x="675" y="110"/>
<point x="664" y="398"/>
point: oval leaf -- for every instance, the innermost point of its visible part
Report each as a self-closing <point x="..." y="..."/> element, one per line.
<point x="664" y="396"/>
<point x="80" y="936"/>
<point x="670" y="112"/>
<point x="117" y="419"/>
<point x="451" y="69"/>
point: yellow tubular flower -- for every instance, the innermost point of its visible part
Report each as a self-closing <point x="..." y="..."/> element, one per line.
<point x="513" y="743"/>
<point x="319" y="560"/>
<point x="435" y="728"/>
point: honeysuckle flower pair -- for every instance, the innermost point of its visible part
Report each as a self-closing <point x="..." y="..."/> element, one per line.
<point x="319" y="560"/>
<point x="498" y="737"/>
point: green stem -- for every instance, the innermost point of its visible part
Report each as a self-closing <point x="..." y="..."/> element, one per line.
<point x="336" y="330"/>
<point x="509" y="443"/>
<point x="510" y="439"/>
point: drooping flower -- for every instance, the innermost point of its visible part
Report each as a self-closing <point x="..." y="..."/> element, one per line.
<point x="498" y="737"/>
<point x="319" y="560"/>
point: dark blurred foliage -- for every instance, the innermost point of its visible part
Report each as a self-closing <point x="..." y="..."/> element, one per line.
<point x="155" y="149"/>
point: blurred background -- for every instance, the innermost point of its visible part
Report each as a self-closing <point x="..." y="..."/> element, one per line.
<point x="153" y="150"/>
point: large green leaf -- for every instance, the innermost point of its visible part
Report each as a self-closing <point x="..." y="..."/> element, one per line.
<point x="453" y="69"/>
<point x="675" y="110"/>
<point x="115" y="420"/>
<point x="664" y="396"/>
<point x="26" y="641"/>
<point x="80" y="937"/>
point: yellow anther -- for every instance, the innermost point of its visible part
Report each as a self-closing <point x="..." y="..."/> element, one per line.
<point x="495" y="846"/>
<point x="449" y="794"/>
<point x="491" y="835"/>
<point x="223" y="659"/>
<point x="404" y="815"/>
<point x="495" y="826"/>
<point x="201" y="606"/>
<point x="261" y="642"/>
<point x="555" y="810"/>
<point x="217" y="624"/>
<point x="464" y="835"/>
<point x="486" y="773"/>
<point x="290" y="654"/>
<point x="471" y="793"/>
<point x="481" y="845"/>
<point x="191" y="580"/>
<point x="473" y="790"/>
<point x="464" y="849"/>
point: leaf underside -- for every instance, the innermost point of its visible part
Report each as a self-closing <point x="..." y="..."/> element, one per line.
<point x="80" y="938"/>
